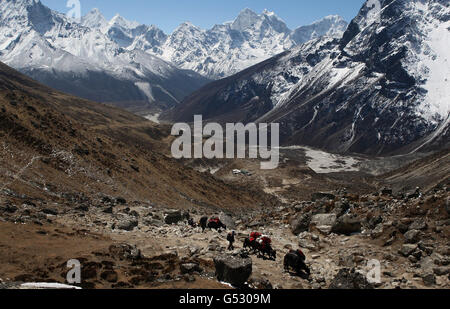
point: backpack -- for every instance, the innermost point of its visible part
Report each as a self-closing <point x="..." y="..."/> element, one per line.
<point x="215" y="220"/>
<point x="301" y="254"/>
<point x="255" y="235"/>
<point x="230" y="237"/>
<point x="266" y="240"/>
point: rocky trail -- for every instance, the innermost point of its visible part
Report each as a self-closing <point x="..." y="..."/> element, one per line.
<point x="129" y="245"/>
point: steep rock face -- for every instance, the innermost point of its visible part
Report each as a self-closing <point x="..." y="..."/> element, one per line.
<point x="256" y="91"/>
<point x="381" y="89"/>
<point x="83" y="61"/>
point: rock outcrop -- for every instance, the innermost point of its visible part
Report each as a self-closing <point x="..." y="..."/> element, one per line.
<point x="233" y="269"/>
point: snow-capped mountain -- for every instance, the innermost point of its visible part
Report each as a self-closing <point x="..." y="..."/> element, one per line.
<point x="82" y="60"/>
<point x="138" y="66"/>
<point x="222" y="50"/>
<point x="330" y="26"/>
<point x="382" y="88"/>
<point x="229" y="48"/>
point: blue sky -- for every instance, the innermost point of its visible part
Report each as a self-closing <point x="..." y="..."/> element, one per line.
<point x="168" y="14"/>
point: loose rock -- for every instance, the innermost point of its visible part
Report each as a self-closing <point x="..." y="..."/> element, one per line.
<point x="233" y="269"/>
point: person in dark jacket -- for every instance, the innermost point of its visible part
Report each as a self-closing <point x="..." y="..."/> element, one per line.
<point x="203" y="223"/>
<point x="231" y="239"/>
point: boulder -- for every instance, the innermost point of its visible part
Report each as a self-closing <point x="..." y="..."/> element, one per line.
<point x="441" y="271"/>
<point x="386" y="191"/>
<point x="127" y="224"/>
<point x="153" y="222"/>
<point x="323" y="222"/>
<point x="49" y="211"/>
<point x="228" y="221"/>
<point x="108" y="210"/>
<point x="401" y="226"/>
<point x="322" y="195"/>
<point x="9" y="208"/>
<point x="428" y="248"/>
<point x="255" y="223"/>
<point x="413" y="194"/>
<point x="412" y="236"/>
<point x="374" y="221"/>
<point x="350" y="279"/>
<point x="125" y="252"/>
<point x="347" y="225"/>
<point x="377" y="231"/>
<point x="427" y="265"/>
<point x="324" y="219"/>
<point x="83" y="208"/>
<point x="233" y="269"/>
<point x="429" y="279"/>
<point x="307" y="244"/>
<point x="110" y="276"/>
<point x="301" y="223"/>
<point x="340" y="208"/>
<point x="189" y="268"/>
<point x="121" y="201"/>
<point x="346" y="260"/>
<point x="260" y="283"/>
<point x="408" y="249"/>
<point x="418" y="225"/>
<point x="173" y="217"/>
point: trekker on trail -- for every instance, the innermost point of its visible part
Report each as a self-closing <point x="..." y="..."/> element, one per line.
<point x="231" y="239"/>
<point x="203" y="223"/>
<point x="191" y="223"/>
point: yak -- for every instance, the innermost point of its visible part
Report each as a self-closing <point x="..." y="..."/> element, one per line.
<point x="296" y="260"/>
<point x="262" y="250"/>
<point x="267" y="249"/>
<point x="253" y="245"/>
<point x="216" y="224"/>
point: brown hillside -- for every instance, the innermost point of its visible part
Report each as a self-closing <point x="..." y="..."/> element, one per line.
<point x="54" y="145"/>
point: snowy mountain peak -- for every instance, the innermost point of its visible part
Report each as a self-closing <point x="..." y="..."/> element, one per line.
<point x="268" y="13"/>
<point x="18" y="3"/>
<point x="330" y="26"/>
<point x="246" y="19"/>
<point x="272" y="16"/>
<point x="187" y="24"/>
<point x="383" y="87"/>
<point x="335" y="18"/>
<point x="94" y="19"/>
<point x="187" y="31"/>
<point x="218" y="52"/>
<point x="18" y="8"/>
<point x="118" y="20"/>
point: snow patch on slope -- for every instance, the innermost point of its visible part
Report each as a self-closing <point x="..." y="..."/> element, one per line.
<point x="438" y="82"/>
<point x="146" y="89"/>
<point x="429" y="63"/>
<point x="323" y="162"/>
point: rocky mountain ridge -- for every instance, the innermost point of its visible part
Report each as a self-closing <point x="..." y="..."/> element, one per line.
<point x="381" y="89"/>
